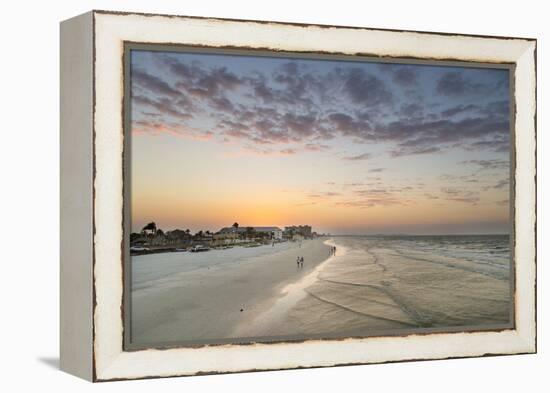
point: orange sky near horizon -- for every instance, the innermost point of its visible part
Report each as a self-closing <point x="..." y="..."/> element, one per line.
<point x="281" y="191"/>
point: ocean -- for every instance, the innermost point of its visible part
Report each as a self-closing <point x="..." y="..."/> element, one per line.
<point x="381" y="284"/>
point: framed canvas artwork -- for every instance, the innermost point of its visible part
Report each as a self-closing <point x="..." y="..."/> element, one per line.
<point x="246" y="195"/>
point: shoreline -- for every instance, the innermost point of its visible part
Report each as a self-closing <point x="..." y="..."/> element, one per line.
<point x="288" y="297"/>
<point x="209" y="302"/>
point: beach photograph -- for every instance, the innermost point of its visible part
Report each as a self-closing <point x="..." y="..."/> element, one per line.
<point x="293" y="197"/>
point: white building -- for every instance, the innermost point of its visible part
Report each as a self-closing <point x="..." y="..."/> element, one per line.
<point x="276" y="233"/>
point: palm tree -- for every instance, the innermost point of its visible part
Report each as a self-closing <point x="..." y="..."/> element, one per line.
<point x="250" y="232"/>
<point x="150" y="227"/>
<point x="235" y="225"/>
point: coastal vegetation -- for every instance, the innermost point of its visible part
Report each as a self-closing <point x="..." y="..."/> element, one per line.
<point x="152" y="239"/>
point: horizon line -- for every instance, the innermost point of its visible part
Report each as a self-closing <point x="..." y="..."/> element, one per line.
<point x="423" y="234"/>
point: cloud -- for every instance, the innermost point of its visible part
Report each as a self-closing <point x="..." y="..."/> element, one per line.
<point x="473" y="200"/>
<point x="198" y="78"/>
<point x="501" y="107"/>
<point x="364" y="88"/>
<point x="458" y="194"/>
<point x="359" y="157"/>
<point x="413" y="151"/>
<point x="498" y="145"/>
<point x="323" y="194"/>
<point x="462" y="108"/>
<point x="152" y="83"/>
<point x="266" y="150"/>
<point x="347" y="125"/>
<point x="411" y="110"/>
<point x="143" y="127"/>
<point x="222" y="104"/>
<point x="501" y="184"/>
<point x="315" y="147"/>
<point x="353" y="184"/>
<point x="488" y="164"/>
<point x="401" y="74"/>
<point x="211" y="84"/>
<point x="262" y="91"/>
<point x="297" y="82"/>
<point x="253" y="150"/>
<point x="372" y="192"/>
<point x="301" y="125"/>
<point x="297" y="106"/>
<point x="471" y="178"/>
<point x="371" y="202"/>
<point x="422" y="137"/>
<point x="181" y="69"/>
<point x="362" y="195"/>
<point x="428" y="195"/>
<point x="446" y="130"/>
<point x="455" y="84"/>
<point x="174" y="108"/>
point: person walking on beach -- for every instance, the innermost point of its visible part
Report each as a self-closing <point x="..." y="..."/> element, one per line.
<point x="301" y="261"/>
<point x="298" y="261"/>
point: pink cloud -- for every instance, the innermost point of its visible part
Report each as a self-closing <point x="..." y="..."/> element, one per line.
<point x="155" y="129"/>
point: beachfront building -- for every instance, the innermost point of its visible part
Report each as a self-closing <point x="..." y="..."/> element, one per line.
<point x="158" y="239"/>
<point x="178" y="237"/>
<point x="226" y="238"/>
<point x="274" y="233"/>
<point x="277" y="233"/>
<point x="298" y="231"/>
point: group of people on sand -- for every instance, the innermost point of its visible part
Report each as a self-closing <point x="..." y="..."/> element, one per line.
<point x="300" y="262"/>
<point x="333" y="250"/>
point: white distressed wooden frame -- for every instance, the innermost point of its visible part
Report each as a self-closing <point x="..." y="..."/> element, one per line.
<point x="92" y="194"/>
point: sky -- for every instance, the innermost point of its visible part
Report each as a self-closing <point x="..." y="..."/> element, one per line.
<point x="348" y="147"/>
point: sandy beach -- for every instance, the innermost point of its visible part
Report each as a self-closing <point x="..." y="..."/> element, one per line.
<point x="371" y="286"/>
<point x="207" y="296"/>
